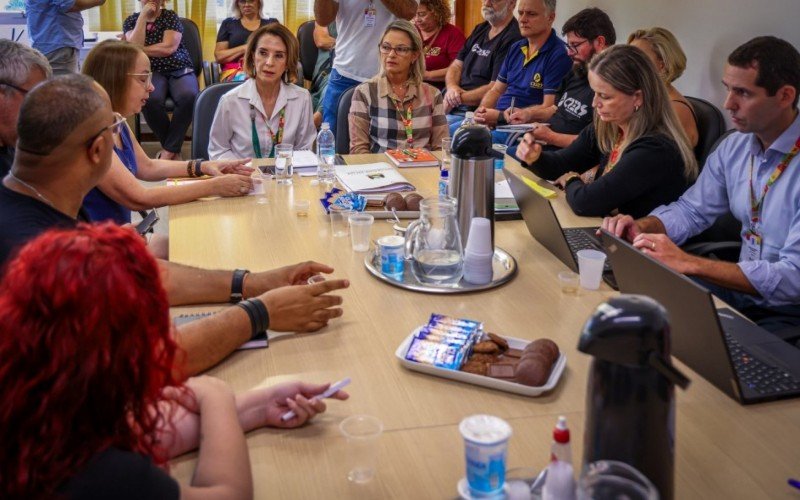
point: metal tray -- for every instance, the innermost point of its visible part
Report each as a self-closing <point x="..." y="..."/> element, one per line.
<point x="482" y="380"/>
<point x="503" y="264"/>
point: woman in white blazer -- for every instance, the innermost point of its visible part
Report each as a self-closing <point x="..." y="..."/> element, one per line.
<point x="267" y="109"/>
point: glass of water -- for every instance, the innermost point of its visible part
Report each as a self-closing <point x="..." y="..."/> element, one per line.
<point x="446" y="154"/>
<point x="283" y="163"/>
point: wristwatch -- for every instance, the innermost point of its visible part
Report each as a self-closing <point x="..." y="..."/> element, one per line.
<point x="237" y="285"/>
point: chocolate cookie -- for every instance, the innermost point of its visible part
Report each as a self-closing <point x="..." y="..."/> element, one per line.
<point x="412" y="201"/>
<point x="533" y="370"/>
<point x="396" y="201"/>
<point x="500" y="341"/>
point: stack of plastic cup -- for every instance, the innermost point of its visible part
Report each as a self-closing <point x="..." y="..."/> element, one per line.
<point x="479" y="252"/>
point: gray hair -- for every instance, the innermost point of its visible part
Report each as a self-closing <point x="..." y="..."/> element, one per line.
<point x="550" y="5"/>
<point x="17" y="62"/>
<point x="54" y="109"/>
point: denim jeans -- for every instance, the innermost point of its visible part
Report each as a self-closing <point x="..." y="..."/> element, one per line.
<point x="337" y="85"/>
<point x="63" y="61"/>
<point x="183" y="88"/>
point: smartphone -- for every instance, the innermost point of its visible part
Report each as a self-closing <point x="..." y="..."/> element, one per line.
<point x="149" y="220"/>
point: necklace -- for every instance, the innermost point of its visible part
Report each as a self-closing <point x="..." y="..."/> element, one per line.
<point x="32" y="189"/>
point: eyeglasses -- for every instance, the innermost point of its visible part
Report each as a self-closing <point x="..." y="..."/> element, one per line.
<point x="114" y="127"/>
<point x="246" y="2"/>
<point x="18" y="89"/>
<point x="573" y="47"/>
<point x="148" y="78"/>
<point x="400" y="50"/>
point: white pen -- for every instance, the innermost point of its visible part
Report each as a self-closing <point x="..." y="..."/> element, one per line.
<point x="333" y="389"/>
<point x="513" y="99"/>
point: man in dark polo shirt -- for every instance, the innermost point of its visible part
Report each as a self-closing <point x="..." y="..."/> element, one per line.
<point x="64" y="146"/>
<point x="475" y="68"/>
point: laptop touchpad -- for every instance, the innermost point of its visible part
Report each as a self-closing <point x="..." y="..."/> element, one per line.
<point x="780" y="354"/>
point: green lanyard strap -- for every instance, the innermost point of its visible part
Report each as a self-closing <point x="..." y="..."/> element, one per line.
<point x="275" y="138"/>
<point x="406" y="120"/>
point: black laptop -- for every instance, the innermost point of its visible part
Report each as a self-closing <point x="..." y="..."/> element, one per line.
<point x="742" y="359"/>
<point x="544" y="227"/>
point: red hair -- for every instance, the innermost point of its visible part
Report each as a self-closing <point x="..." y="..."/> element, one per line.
<point x="86" y="349"/>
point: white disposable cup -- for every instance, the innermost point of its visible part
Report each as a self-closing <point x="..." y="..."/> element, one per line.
<point x="479" y="241"/>
<point x="485" y="446"/>
<point x="362" y="433"/>
<point x="392" y="251"/>
<point x="283" y="163"/>
<point x="360" y="230"/>
<point x="590" y="265"/>
<point x="339" y="222"/>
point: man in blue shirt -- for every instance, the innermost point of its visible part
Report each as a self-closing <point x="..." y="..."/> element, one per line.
<point x="55" y="28"/>
<point x="754" y="174"/>
<point x="532" y="71"/>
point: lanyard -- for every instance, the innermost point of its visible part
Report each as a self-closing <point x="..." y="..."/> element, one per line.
<point x="757" y="203"/>
<point x="272" y="135"/>
<point x="613" y="158"/>
<point x="406" y="120"/>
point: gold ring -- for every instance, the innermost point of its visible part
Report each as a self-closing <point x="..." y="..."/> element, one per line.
<point x="653" y="245"/>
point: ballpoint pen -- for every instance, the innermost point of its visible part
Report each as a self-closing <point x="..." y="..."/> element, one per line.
<point x="511" y="108"/>
<point x="333" y="389"/>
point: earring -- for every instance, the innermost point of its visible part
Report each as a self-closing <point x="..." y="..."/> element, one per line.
<point x="636" y="108"/>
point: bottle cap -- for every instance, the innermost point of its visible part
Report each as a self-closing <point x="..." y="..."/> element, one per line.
<point x="561" y="432"/>
<point x="325" y="125"/>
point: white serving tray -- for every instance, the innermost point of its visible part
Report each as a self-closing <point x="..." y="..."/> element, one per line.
<point x="482" y="380"/>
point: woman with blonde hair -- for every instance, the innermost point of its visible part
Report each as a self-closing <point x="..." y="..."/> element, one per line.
<point x="643" y="154"/>
<point x="232" y="37"/>
<point x="663" y="49"/>
<point x="267" y="109"/>
<point x="410" y="113"/>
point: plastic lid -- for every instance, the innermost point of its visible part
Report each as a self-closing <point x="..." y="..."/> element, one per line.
<point x="444" y="173"/>
<point x="325" y="125"/>
<point x="561" y="432"/>
<point x="469" y="114"/>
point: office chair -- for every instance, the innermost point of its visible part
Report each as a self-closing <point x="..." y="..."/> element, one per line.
<point x="308" y="49"/>
<point x="190" y="40"/>
<point x="342" y="123"/>
<point x="204" y="109"/>
<point x="710" y="127"/>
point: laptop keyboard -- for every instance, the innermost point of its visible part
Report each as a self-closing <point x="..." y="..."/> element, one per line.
<point x="581" y="240"/>
<point x="759" y="376"/>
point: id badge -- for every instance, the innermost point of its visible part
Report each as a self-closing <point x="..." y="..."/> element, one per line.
<point x="369" y="16"/>
<point x="752" y="244"/>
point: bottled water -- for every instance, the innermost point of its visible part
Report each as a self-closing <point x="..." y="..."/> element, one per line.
<point x="469" y="119"/>
<point x="326" y="151"/>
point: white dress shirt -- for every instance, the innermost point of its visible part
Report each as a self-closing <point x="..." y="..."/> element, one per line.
<point x="231" y="132"/>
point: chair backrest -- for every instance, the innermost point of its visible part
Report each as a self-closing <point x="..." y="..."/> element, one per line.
<point x="308" y="50"/>
<point x="342" y="123"/>
<point x="710" y="126"/>
<point x="191" y="40"/>
<point x="205" y="106"/>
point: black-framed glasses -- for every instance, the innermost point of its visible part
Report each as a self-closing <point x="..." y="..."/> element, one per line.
<point x="114" y="127"/>
<point x="148" y="77"/>
<point x="18" y="89"/>
<point x="400" y="50"/>
<point x="573" y="47"/>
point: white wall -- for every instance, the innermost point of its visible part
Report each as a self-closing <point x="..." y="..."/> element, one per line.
<point x="708" y="30"/>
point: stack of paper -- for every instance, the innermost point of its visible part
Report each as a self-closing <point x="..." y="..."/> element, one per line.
<point x="372" y="178"/>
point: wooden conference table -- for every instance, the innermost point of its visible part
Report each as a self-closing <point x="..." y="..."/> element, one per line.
<point x="723" y="450"/>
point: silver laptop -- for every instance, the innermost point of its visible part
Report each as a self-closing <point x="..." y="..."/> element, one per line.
<point x="740" y="358"/>
<point x="543" y="224"/>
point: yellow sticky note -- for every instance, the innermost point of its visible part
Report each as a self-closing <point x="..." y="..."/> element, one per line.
<point x="541" y="191"/>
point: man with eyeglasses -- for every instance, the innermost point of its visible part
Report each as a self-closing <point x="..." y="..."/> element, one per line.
<point x="475" y="68"/>
<point x="588" y="32"/>
<point x="360" y="25"/>
<point x="532" y="70"/>
<point x="22" y="68"/>
<point x="55" y="28"/>
<point x="64" y="147"/>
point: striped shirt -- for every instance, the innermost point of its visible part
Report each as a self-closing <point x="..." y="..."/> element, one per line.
<point x="376" y="125"/>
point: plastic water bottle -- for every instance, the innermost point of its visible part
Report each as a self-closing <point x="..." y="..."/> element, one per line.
<point x="444" y="179"/>
<point x="469" y="119"/>
<point x="326" y="151"/>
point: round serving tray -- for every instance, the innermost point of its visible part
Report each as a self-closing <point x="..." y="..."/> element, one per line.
<point x="503" y="265"/>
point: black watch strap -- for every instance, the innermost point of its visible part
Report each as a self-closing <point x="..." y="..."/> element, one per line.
<point x="237" y="285"/>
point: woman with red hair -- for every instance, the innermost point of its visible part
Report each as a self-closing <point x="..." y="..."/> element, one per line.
<point x="90" y="401"/>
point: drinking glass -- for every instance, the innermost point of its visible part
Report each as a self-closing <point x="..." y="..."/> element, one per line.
<point x="362" y="433"/>
<point x="283" y="164"/>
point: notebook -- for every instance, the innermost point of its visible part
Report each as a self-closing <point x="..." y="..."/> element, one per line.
<point x="258" y="342"/>
<point x="372" y="178"/>
<point x="542" y="223"/>
<point x="740" y="358"/>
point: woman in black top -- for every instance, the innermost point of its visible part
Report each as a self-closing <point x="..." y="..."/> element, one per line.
<point x="642" y="151"/>
<point x="160" y="32"/>
<point x="232" y="37"/>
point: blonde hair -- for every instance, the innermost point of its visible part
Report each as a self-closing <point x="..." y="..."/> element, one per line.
<point x="236" y="12"/>
<point x="667" y="49"/>
<point x="417" y="70"/>
<point x="628" y="70"/>
<point x="292" y="50"/>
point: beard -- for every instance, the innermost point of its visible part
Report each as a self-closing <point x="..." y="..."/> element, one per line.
<point x="494" y="15"/>
<point x="581" y="69"/>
